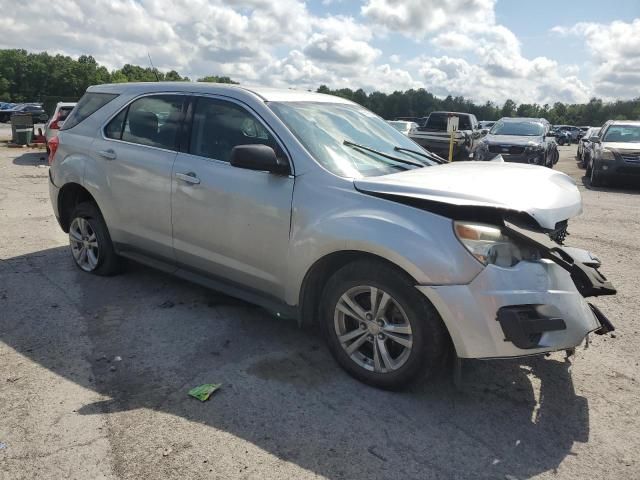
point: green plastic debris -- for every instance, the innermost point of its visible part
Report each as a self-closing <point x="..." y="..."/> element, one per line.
<point x="203" y="392"/>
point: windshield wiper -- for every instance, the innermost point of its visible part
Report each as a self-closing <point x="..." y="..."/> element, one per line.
<point x="382" y="154"/>
<point x="427" y="155"/>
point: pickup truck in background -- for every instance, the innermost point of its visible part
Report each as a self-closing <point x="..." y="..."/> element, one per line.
<point x="433" y="136"/>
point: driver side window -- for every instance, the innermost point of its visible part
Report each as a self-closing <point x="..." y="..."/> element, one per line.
<point x="218" y="126"/>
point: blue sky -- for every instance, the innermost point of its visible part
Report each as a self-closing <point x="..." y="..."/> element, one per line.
<point x="531" y="22"/>
<point x="486" y="50"/>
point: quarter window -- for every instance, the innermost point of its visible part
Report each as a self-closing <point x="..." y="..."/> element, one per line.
<point x="87" y="106"/>
<point x="154" y="121"/>
<point x="218" y="126"/>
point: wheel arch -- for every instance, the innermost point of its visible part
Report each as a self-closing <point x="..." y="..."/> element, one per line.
<point x="320" y="272"/>
<point x="70" y="195"/>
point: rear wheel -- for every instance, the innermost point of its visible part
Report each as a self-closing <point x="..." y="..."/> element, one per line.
<point x="90" y="241"/>
<point x="379" y="327"/>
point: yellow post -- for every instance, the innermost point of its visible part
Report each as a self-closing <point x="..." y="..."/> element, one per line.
<point x="451" y="146"/>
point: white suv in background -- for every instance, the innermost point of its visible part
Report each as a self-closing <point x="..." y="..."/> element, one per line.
<point x="60" y="114"/>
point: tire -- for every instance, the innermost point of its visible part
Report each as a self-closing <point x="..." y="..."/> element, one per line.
<point x="88" y="229"/>
<point x="407" y="317"/>
<point x="595" y="179"/>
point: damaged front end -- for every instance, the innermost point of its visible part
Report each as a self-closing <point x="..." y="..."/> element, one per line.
<point x="529" y="297"/>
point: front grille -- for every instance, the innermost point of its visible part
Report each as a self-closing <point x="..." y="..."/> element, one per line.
<point x="631" y="158"/>
<point x="510" y="149"/>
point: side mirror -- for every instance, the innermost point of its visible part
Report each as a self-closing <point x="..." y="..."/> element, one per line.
<point x="594" y="139"/>
<point x="550" y="134"/>
<point x="258" y="157"/>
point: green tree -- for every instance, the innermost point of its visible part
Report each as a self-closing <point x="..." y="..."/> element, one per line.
<point x="216" y="79"/>
<point x="508" y="109"/>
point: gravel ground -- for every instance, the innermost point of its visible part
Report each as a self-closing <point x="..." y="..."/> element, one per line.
<point x="94" y="374"/>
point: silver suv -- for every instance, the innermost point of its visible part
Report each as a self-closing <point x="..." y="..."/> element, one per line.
<point x="315" y="208"/>
<point x="615" y="152"/>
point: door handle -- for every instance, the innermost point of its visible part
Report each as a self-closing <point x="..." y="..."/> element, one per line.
<point x="108" y="154"/>
<point x="189" y="177"/>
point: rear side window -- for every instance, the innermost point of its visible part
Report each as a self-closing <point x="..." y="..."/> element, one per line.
<point x="153" y="121"/>
<point x="437" y="121"/>
<point x="64" y="112"/>
<point x="88" y="104"/>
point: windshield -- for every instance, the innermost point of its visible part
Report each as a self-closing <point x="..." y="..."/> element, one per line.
<point x="326" y="130"/>
<point x="622" y="133"/>
<point x="528" y="129"/>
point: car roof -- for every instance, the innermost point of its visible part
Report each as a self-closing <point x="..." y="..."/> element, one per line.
<point x="66" y="104"/>
<point x="624" y="122"/>
<point x="521" y="119"/>
<point x="265" y="93"/>
<point x="451" y="113"/>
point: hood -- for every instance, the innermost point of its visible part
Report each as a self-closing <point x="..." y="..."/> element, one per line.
<point x="545" y="195"/>
<point x="523" y="140"/>
<point x="622" y="147"/>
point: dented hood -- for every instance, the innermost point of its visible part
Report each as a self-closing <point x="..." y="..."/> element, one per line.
<point x="547" y="196"/>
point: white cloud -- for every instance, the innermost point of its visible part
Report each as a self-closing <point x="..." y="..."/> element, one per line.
<point x="420" y="17"/>
<point x="282" y="43"/>
<point x="615" y="51"/>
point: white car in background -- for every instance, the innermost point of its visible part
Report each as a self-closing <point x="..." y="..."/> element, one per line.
<point x="60" y="114"/>
<point x="403" y="126"/>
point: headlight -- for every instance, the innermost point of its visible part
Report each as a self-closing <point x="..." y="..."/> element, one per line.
<point x="491" y="246"/>
<point x="535" y="147"/>
<point x="607" y="154"/>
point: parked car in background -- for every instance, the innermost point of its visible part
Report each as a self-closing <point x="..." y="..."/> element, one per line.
<point x="403" y="126"/>
<point x="35" y="109"/>
<point x="520" y="140"/>
<point x="60" y="114"/>
<point x="571" y="130"/>
<point x="615" y="152"/>
<point x="7" y="111"/>
<point x="6" y="105"/>
<point x="583" y="153"/>
<point x="399" y="258"/>
<point x="433" y="135"/>
<point x="418" y="120"/>
<point x="485" y="125"/>
<point x="582" y="131"/>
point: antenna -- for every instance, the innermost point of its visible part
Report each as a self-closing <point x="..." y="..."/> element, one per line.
<point x="153" y="69"/>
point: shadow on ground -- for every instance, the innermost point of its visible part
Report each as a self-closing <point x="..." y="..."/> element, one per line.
<point x="32" y="159"/>
<point x="629" y="186"/>
<point x="282" y="391"/>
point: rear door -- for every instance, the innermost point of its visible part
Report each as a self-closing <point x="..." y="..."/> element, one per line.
<point x="137" y="150"/>
<point x="230" y="222"/>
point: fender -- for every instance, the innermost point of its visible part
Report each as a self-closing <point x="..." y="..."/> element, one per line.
<point x="421" y="243"/>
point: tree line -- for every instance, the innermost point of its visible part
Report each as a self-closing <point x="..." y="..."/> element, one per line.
<point x="26" y="77"/>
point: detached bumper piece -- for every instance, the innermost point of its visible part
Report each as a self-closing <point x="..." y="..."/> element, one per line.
<point x="607" y="326"/>
<point x="524" y="325"/>
<point x="585" y="275"/>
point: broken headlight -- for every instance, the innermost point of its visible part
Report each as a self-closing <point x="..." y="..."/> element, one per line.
<point x="490" y="245"/>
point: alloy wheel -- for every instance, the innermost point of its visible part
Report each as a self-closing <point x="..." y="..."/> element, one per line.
<point x="373" y="329"/>
<point x="84" y="244"/>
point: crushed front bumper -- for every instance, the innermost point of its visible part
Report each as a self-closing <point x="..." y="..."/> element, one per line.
<point x="530" y="308"/>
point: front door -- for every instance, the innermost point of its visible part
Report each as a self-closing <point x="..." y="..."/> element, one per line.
<point x="230" y="222"/>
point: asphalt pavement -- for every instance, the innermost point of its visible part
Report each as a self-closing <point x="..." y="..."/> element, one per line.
<point x="94" y="374"/>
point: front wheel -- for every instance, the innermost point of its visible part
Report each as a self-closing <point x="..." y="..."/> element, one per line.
<point x="379" y="327"/>
<point x="595" y="179"/>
